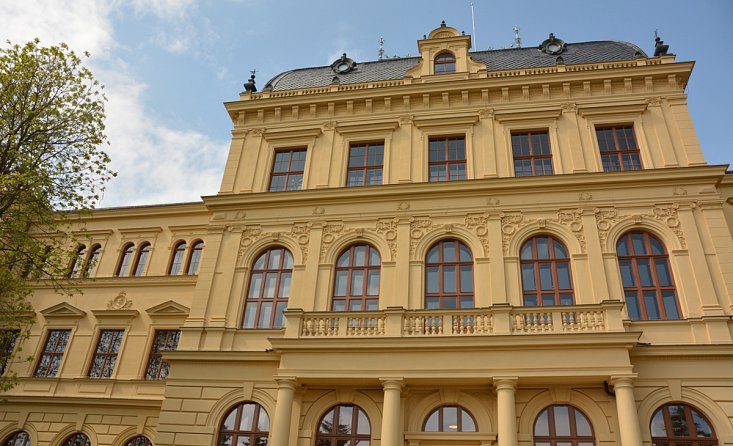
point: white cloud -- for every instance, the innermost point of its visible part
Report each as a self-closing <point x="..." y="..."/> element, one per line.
<point x="164" y="9"/>
<point x="156" y="163"/>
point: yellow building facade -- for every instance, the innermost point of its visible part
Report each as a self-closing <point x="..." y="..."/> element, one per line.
<point x="507" y="247"/>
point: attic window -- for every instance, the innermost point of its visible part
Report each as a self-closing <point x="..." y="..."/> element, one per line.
<point x="445" y="63"/>
<point x="343" y="65"/>
<point x="553" y="45"/>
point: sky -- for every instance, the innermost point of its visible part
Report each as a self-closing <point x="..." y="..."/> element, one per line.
<point x="169" y="65"/>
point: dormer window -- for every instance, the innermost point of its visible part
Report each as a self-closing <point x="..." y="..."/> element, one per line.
<point x="445" y="63"/>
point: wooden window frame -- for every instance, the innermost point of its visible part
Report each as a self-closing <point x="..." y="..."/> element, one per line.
<point x="441" y="295"/>
<point x="46" y="371"/>
<point x="535" y="261"/>
<point x="693" y="439"/>
<point x="8" y="341"/>
<point x="194" y="257"/>
<point x="617" y="152"/>
<point x="140" y="440"/>
<point x="77" y="439"/>
<point x="364" y="298"/>
<point x="253" y="434"/>
<point x="460" y="412"/>
<point x="92" y="259"/>
<point x="18" y="438"/>
<point x="141" y="259"/>
<point x="289" y="172"/>
<point x="352" y="437"/>
<point x="76" y="266"/>
<point x="553" y="439"/>
<point x="444" y="62"/>
<point x="366" y="167"/>
<point x="159" y="371"/>
<point x="532" y="156"/>
<point x="658" y="290"/>
<point x="260" y="299"/>
<point x="109" y="356"/>
<point x="125" y="261"/>
<point x="177" y="261"/>
<point x="446" y="163"/>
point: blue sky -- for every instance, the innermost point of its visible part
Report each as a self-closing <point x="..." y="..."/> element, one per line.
<point x="168" y="65"/>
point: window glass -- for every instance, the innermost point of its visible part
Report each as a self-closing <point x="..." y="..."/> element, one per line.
<point x="247" y="424"/>
<point x="125" y="260"/>
<point x="365" y="164"/>
<point x="287" y="170"/>
<point x="447" y="159"/>
<point x="545" y="271"/>
<point x="269" y="289"/>
<point x="561" y="425"/>
<point x="20" y="438"/>
<point x="445" y="63"/>
<point x="193" y="263"/>
<point x="356" y="284"/>
<point x="142" y="259"/>
<point x="448" y="280"/>
<point x="532" y="154"/>
<point x="163" y="341"/>
<point x="53" y="352"/>
<point x="618" y="148"/>
<point x="677" y="424"/>
<point x="344" y="425"/>
<point x="108" y="347"/>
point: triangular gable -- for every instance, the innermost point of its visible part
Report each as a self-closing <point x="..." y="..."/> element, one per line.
<point x="169" y="308"/>
<point x="63" y="309"/>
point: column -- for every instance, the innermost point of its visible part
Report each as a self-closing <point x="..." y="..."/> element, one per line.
<point x="391" y="433"/>
<point x="628" y="418"/>
<point x="280" y="429"/>
<point x="506" y="411"/>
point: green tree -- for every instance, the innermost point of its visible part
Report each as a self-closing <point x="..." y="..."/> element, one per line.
<point x="52" y="168"/>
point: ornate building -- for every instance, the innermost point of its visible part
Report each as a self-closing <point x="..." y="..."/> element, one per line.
<point x="506" y="247"/>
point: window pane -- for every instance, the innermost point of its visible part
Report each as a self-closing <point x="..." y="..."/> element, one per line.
<point x="582" y="425"/>
<point x="562" y="421"/>
<point x="279" y="318"/>
<point x="356" y="157"/>
<point x="373" y="287"/>
<point x="357" y="283"/>
<point x="275" y="256"/>
<point x="466" y="301"/>
<point x="526" y="253"/>
<point x="263" y="422"/>
<point x="360" y="255"/>
<point x="702" y="427"/>
<point x="345" y="419"/>
<point x="650" y="302"/>
<point x="255" y="285"/>
<point x="670" y="304"/>
<point x="632" y="306"/>
<point x="265" y="315"/>
<point x="546" y="282"/>
<point x="248" y="411"/>
<point x="250" y="314"/>
<point x="340" y="286"/>
<point x="374" y="259"/>
<point x="327" y="423"/>
<point x="566" y="299"/>
<point x="450" y="419"/>
<point x="467" y="424"/>
<point x="466" y="278"/>
<point x="637" y="240"/>
<point x="657" y="247"/>
<point x="432" y="256"/>
<point x="645" y="273"/>
<point x="362" y="423"/>
<point x="543" y="248"/>
<point x="284" y="285"/>
<point x="355" y="305"/>
<point x="622" y="247"/>
<point x="528" y="278"/>
<point x="449" y="252"/>
<point x="344" y="259"/>
<point x="560" y="251"/>
<point x="431" y="273"/>
<point x="679" y="420"/>
<point x="627" y="274"/>
<point x="270" y="283"/>
<point x="663" y="276"/>
<point x="542" y="425"/>
<point x="563" y="275"/>
<point x="431" y="425"/>
<point x="449" y="279"/>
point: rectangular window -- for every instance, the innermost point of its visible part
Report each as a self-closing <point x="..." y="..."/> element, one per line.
<point x="105" y="357"/>
<point x="618" y="148"/>
<point x="365" y="164"/>
<point x="165" y="341"/>
<point x="8" y="339"/>
<point x="287" y="170"/>
<point x="447" y="158"/>
<point x="532" y="155"/>
<point x="53" y="352"/>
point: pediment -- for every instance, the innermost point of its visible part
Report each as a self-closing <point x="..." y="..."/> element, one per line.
<point x="169" y="308"/>
<point x="63" y="309"/>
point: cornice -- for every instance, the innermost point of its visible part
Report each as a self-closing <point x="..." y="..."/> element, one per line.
<point x="126" y="282"/>
<point x="221" y="356"/>
<point x="686" y="352"/>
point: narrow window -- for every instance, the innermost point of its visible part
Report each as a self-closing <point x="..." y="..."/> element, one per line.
<point x="91" y="263"/>
<point x="532" y="155"/>
<point x="140" y="441"/>
<point x="344" y="425"/>
<point x="164" y="341"/>
<point x="193" y="262"/>
<point x="447" y="158"/>
<point x="125" y="260"/>
<point x="77" y="262"/>
<point x="546" y="278"/>
<point x="561" y="425"/>
<point x="618" y="148"/>
<point x="178" y="255"/>
<point x="450" y="419"/>
<point x="142" y="259"/>
<point x="269" y="289"/>
<point x="365" y="164"/>
<point x="287" y="170"/>
<point x="356" y="286"/>
<point x="246" y="424"/>
<point x="19" y="438"/>
<point x="449" y="276"/>
<point x="445" y="63"/>
<point x="678" y="424"/>
<point x="105" y="357"/>
<point x="8" y="339"/>
<point x="77" y="439"/>
<point x="648" y="283"/>
<point x="53" y="352"/>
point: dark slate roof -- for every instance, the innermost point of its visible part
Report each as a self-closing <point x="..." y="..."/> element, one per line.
<point x="495" y="60"/>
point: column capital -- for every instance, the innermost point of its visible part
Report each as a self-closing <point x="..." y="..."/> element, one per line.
<point x="286" y="382"/>
<point x="618" y="381"/>
<point x="505" y="382"/>
<point x="392" y="383"/>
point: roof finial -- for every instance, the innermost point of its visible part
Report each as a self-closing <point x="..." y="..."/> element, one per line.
<point x="660" y="49"/>
<point x="249" y="86"/>
<point x="442" y="23"/>
<point x="517" y="39"/>
<point x="380" y="52"/>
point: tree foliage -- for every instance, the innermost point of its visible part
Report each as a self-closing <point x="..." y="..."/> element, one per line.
<point x="52" y="167"/>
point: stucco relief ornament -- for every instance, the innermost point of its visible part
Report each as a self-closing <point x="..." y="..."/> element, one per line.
<point x="119" y="302"/>
<point x="406" y="119"/>
<point x="403" y="206"/>
<point x="569" y="107"/>
<point x="257" y="131"/>
<point x="330" y="232"/>
<point x="329" y="126"/>
<point x="418" y="227"/>
<point x="318" y="210"/>
<point x="510" y="223"/>
<point x="668" y="215"/>
<point x="654" y="101"/>
<point x="479" y="224"/>
<point x="572" y="219"/>
<point x="486" y="113"/>
<point x="493" y="201"/>
<point x="585" y="196"/>
<point x="605" y="218"/>
<point x="250" y="234"/>
<point x="388" y="229"/>
<point x="301" y="233"/>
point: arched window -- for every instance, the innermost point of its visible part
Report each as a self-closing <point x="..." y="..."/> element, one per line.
<point x="269" y="289"/>
<point x="195" y="257"/>
<point x="678" y="424"/>
<point x="77" y="263"/>
<point x="19" y="438"/>
<point x="125" y="260"/>
<point x="142" y="258"/>
<point x="546" y="278"/>
<point x="246" y="424"/>
<point x="177" y="260"/>
<point x="445" y="63"/>
<point x="92" y="260"/>
<point x="449" y="276"/>
<point x="356" y="287"/>
<point x="77" y="439"/>
<point x="139" y="441"/>
<point x="450" y="419"/>
<point x="561" y="425"/>
<point x="344" y="425"/>
<point x="648" y="284"/>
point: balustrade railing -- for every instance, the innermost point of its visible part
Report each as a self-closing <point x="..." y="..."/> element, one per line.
<point x="496" y="320"/>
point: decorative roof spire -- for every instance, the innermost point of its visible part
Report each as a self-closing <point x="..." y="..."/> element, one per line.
<point x="249" y="86"/>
